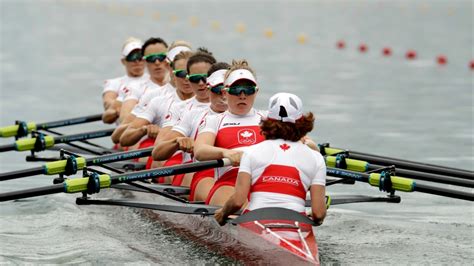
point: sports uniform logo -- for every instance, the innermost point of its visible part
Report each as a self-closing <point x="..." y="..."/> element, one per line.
<point x="246" y="136"/>
<point x="280" y="179"/>
<point x="284" y="147"/>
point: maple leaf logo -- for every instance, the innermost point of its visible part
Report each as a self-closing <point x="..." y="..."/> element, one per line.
<point x="246" y="134"/>
<point x="284" y="147"/>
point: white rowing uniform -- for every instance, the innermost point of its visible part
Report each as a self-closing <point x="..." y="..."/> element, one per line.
<point x="158" y="108"/>
<point x="136" y="90"/>
<point x="148" y="95"/>
<point x="233" y="132"/>
<point x="117" y="84"/>
<point x="282" y="172"/>
<point x="179" y="109"/>
<point x="188" y="125"/>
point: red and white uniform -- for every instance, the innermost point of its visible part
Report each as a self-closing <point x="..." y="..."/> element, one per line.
<point x="158" y="108"/>
<point x="117" y="84"/>
<point x="233" y="132"/>
<point x="282" y="172"/>
<point x="164" y="91"/>
<point x="178" y="110"/>
<point x="135" y="90"/>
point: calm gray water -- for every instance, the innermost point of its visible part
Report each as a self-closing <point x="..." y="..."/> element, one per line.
<point x="54" y="56"/>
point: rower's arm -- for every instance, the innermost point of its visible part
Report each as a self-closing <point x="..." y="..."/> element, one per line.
<point x="111" y="114"/>
<point x="108" y="98"/>
<point x="318" y="203"/>
<point x="166" y="146"/>
<point x="127" y="108"/>
<point x="134" y="132"/>
<point x="204" y="148"/>
<point x="237" y="200"/>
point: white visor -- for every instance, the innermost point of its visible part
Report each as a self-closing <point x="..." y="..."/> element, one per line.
<point x="285" y="107"/>
<point x="175" y="51"/>
<point x="216" y="78"/>
<point x="130" y="47"/>
<point x="239" y="74"/>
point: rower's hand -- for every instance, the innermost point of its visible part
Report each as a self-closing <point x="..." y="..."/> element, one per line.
<point x="219" y="216"/>
<point x="152" y="130"/>
<point x="234" y="156"/>
<point x="185" y="144"/>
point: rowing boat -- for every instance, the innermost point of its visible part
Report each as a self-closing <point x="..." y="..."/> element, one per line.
<point x="264" y="236"/>
<point x="273" y="236"/>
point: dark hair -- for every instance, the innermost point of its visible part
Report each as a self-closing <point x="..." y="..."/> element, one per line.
<point x="153" y="40"/>
<point x="201" y="55"/>
<point x="217" y="66"/>
<point x="275" y="129"/>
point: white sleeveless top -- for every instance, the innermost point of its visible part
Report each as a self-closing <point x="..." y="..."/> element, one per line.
<point x="282" y="173"/>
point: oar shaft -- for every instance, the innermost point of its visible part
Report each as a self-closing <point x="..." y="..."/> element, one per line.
<point x="400" y="184"/>
<point x="415" y="166"/>
<point x="84" y="136"/>
<point x="405" y="164"/>
<point x="28" y="193"/>
<point x="71" y="121"/>
<point x="430" y="177"/>
<point x="22" y="173"/>
<point x="444" y="192"/>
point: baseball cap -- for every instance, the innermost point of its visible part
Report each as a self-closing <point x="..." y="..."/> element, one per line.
<point x="285" y="107"/>
<point x="216" y="78"/>
<point x="129" y="47"/>
<point x="239" y="74"/>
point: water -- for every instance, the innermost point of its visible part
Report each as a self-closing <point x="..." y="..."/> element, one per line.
<point x="54" y="56"/>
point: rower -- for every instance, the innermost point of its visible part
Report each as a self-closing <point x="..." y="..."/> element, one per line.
<point x="184" y="132"/>
<point x="154" y="50"/>
<point x="149" y="121"/>
<point x="227" y="134"/>
<point x="279" y="171"/>
<point x="134" y="68"/>
<point x="197" y="68"/>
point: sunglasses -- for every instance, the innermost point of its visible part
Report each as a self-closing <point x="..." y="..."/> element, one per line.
<point x="134" y="57"/>
<point x="195" y="78"/>
<point x="180" y="73"/>
<point x="151" y="58"/>
<point x="237" y="90"/>
<point x="216" y="89"/>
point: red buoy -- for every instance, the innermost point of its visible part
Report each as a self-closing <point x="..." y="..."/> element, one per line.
<point x="471" y="64"/>
<point x="441" y="59"/>
<point x="341" y="44"/>
<point x="411" y="54"/>
<point x="363" y="47"/>
<point x="386" y="51"/>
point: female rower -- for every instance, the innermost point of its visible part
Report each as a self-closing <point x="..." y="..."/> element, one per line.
<point x="226" y="134"/>
<point x="134" y="67"/>
<point x="197" y="67"/>
<point x="279" y="171"/>
<point x="184" y="132"/>
<point x="154" y="50"/>
<point x="151" y="119"/>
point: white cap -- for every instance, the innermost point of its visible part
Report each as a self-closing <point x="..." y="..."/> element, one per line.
<point x="239" y="74"/>
<point x="285" y="107"/>
<point x="175" y="51"/>
<point x="216" y="78"/>
<point x="134" y="45"/>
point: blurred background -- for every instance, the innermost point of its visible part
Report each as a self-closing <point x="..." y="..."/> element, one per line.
<point x="388" y="77"/>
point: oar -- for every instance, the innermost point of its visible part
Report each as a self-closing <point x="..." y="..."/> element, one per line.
<point x="42" y="142"/>
<point x="387" y="183"/>
<point x="71" y="165"/>
<point x="399" y="163"/>
<point x="94" y="183"/>
<point x="23" y="128"/>
<point x="363" y="166"/>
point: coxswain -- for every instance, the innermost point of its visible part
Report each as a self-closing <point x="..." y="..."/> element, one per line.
<point x="279" y="171"/>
